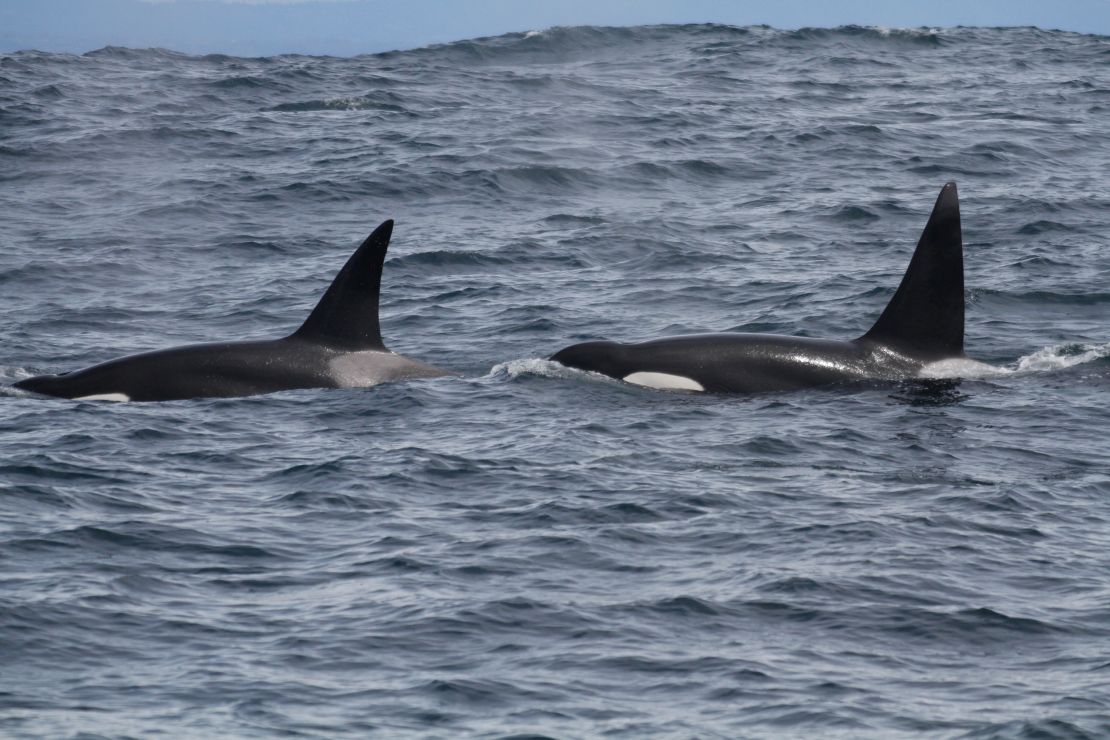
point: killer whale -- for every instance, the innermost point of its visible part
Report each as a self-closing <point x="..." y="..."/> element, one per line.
<point x="338" y="346"/>
<point x="922" y="323"/>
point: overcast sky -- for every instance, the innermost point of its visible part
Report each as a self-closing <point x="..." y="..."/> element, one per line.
<point x="345" y="27"/>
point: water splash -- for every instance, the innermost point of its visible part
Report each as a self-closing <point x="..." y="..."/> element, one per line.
<point x="513" y="369"/>
<point x="1044" y="360"/>
<point x="1060" y="356"/>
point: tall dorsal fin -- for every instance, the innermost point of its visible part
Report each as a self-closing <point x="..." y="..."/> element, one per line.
<point x="347" y="315"/>
<point x="925" y="318"/>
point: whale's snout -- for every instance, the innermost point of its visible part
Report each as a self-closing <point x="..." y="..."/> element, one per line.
<point x="597" y="357"/>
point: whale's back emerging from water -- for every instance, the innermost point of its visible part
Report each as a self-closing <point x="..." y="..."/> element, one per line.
<point x="923" y="323"/>
<point x="338" y="346"/>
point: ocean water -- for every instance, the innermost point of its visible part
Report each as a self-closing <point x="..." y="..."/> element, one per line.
<point x="529" y="551"/>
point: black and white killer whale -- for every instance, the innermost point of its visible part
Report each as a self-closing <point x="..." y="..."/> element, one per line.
<point x="338" y="346"/>
<point x="922" y="324"/>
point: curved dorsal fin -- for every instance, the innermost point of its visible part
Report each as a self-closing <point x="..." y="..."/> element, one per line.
<point x="347" y="315"/>
<point x="925" y="318"/>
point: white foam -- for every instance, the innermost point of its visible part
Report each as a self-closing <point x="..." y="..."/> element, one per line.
<point x="1047" y="359"/>
<point x="664" y="381"/>
<point x="347" y="103"/>
<point x="1060" y="356"/>
<point x="118" y="397"/>
<point x="514" y="369"/>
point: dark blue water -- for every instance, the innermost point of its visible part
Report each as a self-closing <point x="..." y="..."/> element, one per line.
<point x="528" y="550"/>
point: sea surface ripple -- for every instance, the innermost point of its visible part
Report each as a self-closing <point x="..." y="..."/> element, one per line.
<point x="524" y="551"/>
